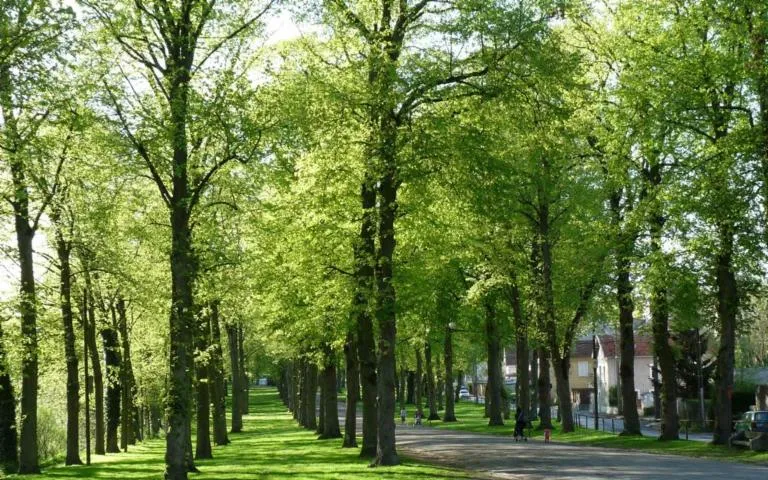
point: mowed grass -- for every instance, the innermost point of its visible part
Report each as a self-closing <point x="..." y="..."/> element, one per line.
<point x="470" y="419"/>
<point x="272" y="446"/>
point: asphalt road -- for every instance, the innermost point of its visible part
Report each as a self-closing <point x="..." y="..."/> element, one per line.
<point x="500" y="457"/>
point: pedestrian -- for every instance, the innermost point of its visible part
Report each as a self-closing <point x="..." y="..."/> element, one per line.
<point x="520" y="425"/>
<point x="417" y="419"/>
<point x="403" y="414"/>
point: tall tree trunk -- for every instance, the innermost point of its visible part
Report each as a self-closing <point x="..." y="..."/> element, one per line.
<point x="245" y="381"/>
<point x="63" y="249"/>
<point x="727" y="309"/>
<point x="450" y="412"/>
<point x="353" y="390"/>
<point x="112" y="366"/>
<point x="495" y="378"/>
<point x="364" y="255"/>
<point x="401" y="378"/>
<point x="234" y="360"/>
<point x="459" y="383"/>
<point x="202" y="369"/>
<point x="521" y="348"/>
<point x="321" y="403"/>
<point x="533" y="384"/>
<point x="627" y="344"/>
<point x="311" y="394"/>
<point x="128" y="415"/>
<point x="417" y="384"/>
<point x="330" y="399"/>
<point x="296" y="389"/>
<point x="439" y="386"/>
<point x="544" y="387"/>
<point x="564" y="400"/>
<point x="8" y="444"/>
<point x="216" y="376"/>
<point x="660" y="319"/>
<point x="98" y="377"/>
<point x="431" y="397"/>
<point x="386" y="453"/>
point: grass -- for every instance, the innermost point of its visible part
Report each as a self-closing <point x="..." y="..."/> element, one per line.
<point x="471" y="419"/>
<point x="272" y="446"/>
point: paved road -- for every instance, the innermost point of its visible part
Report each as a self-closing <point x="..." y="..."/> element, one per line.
<point x="501" y="458"/>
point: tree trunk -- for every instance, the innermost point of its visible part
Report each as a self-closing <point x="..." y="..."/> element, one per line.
<point x="8" y="444"/>
<point x="330" y="399"/>
<point x="660" y="323"/>
<point x="459" y="383"/>
<point x="450" y="412"/>
<point x="128" y="415"/>
<point x="401" y="379"/>
<point x="63" y="249"/>
<point x="533" y="383"/>
<point x="112" y="366"/>
<point x="216" y="376"/>
<point x="410" y="388"/>
<point x="565" y="405"/>
<point x="627" y="344"/>
<point x="386" y="453"/>
<point x="353" y="390"/>
<point x="245" y="381"/>
<point x="431" y="394"/>
<point x="202" y="368"/>
<point x="495" y="378"/>
<point x="234" y="360"/>
<point x="727" y="310"/>
<point x="310" y="414"/>
<point x="321" y="404"/>
<point x="417" y="383"/>
<point x="521" y="349"/>
<point x="544" y="387"/>
<point x="98" y="378"/>
<point x="296" y="389"/>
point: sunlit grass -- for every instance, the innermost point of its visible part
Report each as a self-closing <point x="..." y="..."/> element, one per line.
<point x="271" y="447"/>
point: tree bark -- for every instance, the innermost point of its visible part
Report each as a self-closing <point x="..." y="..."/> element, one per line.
<point x="660" y="317"/>
<point x="216" y="377"/>
<point x="410" y="388"/>
<point x="112" y="365"/>
<point x="533" y="382"/>
<point x="521" y="348"/>
<point x="203" y="448"/>
<point x="128" y="432"/>
<point x="353" y="390"/>
<point x="727" y="310"/>
<point x="627" y="344"/>
<point x="330" y="398"/>
<point x="63" y="250"/>
<point x="364" y="256"/>
<point x="310" y="414"/>
<point x="98" y="377"/>
<point x="234" y="360"/>
<point x="431" y="397"/>
<point x="450" y="412"/>
<point x="417" y="383"/>
<point x="245" y="381"/>
<point x="321" y="403"/>
<point x="495" y="378"/>
<point x="8" y="442"/>
<point x="544" y="387"/>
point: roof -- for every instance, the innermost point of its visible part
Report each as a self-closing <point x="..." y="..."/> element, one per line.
<point x="610" y="346"/>
<point x="583" y="348"/>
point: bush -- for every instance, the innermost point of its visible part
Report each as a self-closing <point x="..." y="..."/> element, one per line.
<point x="51" y="434"/>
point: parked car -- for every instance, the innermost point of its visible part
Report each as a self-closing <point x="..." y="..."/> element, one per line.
<point x="753" y="424"/>
<point x="464" y="393"/>
<point x="752" y="431"/>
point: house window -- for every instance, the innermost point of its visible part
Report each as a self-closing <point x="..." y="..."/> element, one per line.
<point x="583" y="369"/>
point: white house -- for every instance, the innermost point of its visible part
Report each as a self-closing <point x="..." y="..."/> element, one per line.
<point x="608" y="361"/>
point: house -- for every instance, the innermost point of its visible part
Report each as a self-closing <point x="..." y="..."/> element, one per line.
<point x="581" y="374"/>
<point x="608" y="362"/>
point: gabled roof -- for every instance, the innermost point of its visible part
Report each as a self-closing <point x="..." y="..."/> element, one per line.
<point x="610" y="346"/>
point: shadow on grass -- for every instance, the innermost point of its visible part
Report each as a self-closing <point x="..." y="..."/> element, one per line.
<point x="271" y="446"/>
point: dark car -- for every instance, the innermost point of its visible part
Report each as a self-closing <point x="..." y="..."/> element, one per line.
<point x="753" y="424"/>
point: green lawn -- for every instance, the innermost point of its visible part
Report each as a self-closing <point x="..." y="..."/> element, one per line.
<point x="271" y="447"/>
<point x="471" y="419"/>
